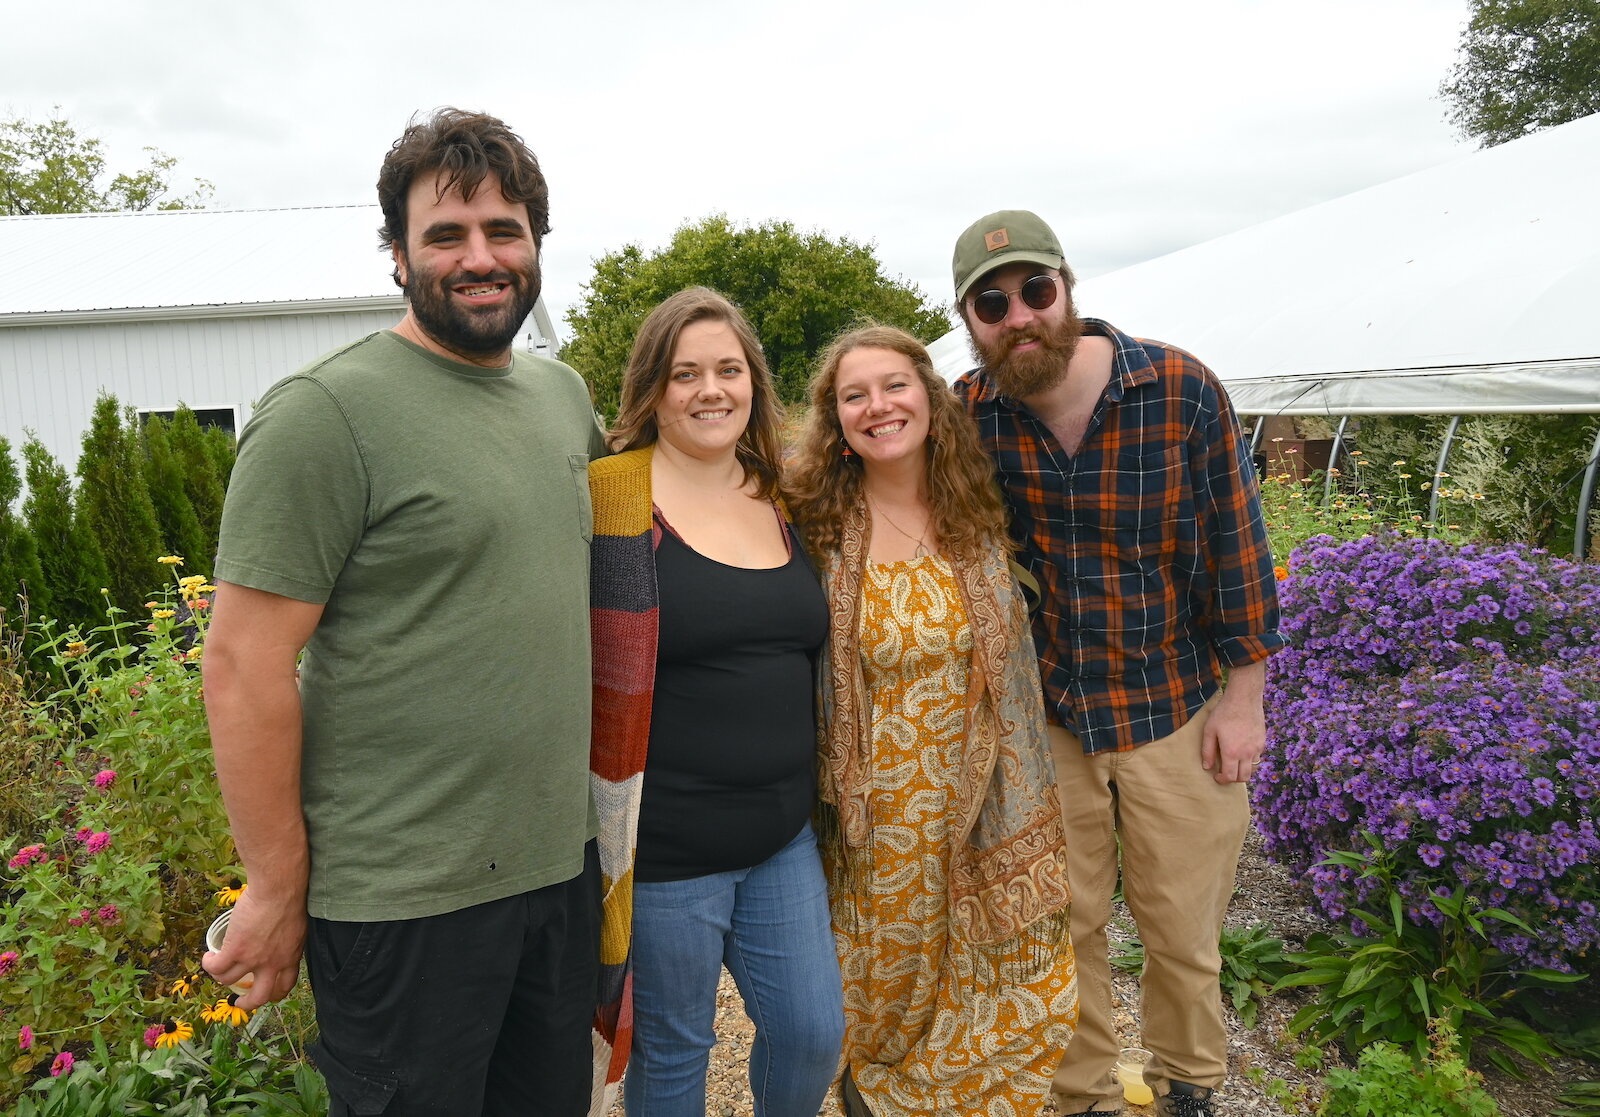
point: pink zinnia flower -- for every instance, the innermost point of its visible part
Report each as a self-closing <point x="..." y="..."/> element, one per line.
<point x="78" y="920"/>
<point x="25" y="1038"/>
<point x="82" y="833"/>
<point x="8" y="962"/>
<point x="96" y="842"/>
<point x="62" y="1065"/>
<point x="108" y="914"/>
<point x="104" y="778"/>
<point x="27" y="855"/>
<point x="152" y="1033"/>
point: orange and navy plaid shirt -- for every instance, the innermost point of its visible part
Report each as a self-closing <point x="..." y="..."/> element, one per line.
<point x="1148" y="543"/>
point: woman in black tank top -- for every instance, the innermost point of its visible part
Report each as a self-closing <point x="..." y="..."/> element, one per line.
<point x="726" y="870"/>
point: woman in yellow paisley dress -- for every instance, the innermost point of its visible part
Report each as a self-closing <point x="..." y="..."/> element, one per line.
<point x="940" y="825"/>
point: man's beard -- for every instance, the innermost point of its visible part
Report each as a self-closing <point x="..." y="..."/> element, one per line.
<point x="468" y="330"/>
<point x="1020" y="375"/>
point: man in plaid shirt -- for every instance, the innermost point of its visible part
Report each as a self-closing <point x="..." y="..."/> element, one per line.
<point x="1134" y="503"/>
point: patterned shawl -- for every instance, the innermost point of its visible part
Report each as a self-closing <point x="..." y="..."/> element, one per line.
<point x="1009" y="867"/>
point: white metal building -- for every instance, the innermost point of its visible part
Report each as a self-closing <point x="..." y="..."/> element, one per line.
<point x="204" y="307"/>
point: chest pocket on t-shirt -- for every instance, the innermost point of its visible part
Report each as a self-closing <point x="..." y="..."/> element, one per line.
<point x="579" y="464"/>
<point x="1147" y="494"/>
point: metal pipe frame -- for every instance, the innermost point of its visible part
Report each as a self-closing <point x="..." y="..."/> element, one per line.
<point x="1444" y="458"/>
<point x="1333" y="460"/>
<point x="1580" y="536"/>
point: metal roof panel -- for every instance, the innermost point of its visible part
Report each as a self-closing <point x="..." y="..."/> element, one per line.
<point x="178" y="258"/>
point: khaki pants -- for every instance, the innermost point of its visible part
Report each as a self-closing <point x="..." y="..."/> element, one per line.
<point x="1181" y="832"/>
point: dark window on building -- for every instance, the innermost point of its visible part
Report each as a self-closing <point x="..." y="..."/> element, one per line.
<point x="225" y="417"/>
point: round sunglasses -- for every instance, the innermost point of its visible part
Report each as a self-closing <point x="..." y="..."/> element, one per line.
<point x="993" y="305"/>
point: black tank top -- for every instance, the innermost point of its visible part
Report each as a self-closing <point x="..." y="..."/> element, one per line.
<point x="730" y="776"/>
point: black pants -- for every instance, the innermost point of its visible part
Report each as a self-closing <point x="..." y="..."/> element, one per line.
<point x="485" y="1011"/>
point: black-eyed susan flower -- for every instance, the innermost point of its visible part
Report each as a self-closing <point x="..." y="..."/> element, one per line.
<point x="185" y="985"/>
<point x="227" y="897"/>
<point x="174" y="1032"/>
<point x="226" y="1011"/>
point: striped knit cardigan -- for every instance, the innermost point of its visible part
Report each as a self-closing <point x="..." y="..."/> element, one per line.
<point x="623" y="625"/>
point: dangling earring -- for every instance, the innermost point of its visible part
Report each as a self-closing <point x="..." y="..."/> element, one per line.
<point x="845" y="451"/>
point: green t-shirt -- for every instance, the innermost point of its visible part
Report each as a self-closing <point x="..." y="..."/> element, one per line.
<point x="440" y="511"/>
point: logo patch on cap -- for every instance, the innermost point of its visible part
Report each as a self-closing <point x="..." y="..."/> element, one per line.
<point x="996" y="240"/>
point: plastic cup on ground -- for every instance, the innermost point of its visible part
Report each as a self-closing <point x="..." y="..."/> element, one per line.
<point x="214" y="936"/>
<point x="1130" y="1072"/>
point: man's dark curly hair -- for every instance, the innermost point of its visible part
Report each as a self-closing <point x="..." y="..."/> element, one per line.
<point x="465" y="147"/>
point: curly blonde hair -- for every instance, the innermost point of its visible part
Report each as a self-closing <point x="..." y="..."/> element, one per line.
<point x="821" y="485"/>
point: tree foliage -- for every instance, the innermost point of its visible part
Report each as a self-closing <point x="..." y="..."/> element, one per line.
<point x="115" y="503"/>
<point x="19" y="556"/>
<point x="50" y="167"/>
<point x="1523" y="65"/>
<point x="203" y="479"/>
<point x="175" y="512"/>
<point x="798" y="289"/>
<point x="70" y="558"/>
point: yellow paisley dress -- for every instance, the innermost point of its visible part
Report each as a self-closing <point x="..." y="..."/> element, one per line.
<point x="933" y="1024"/>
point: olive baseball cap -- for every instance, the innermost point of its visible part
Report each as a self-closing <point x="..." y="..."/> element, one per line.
<point x="1002" y="238"/>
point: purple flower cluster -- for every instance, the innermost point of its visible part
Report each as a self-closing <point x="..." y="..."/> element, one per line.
<point x="1445" y="700"/>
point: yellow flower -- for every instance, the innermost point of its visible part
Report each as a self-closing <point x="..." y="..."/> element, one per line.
<point x="163" y="614"/>
<point x="1400" y="462"/>
<point x="170" y="560"/>
<point x="184" y="985"/>
<point x="228" y="896"/>
<point x="191" y="580"/>
<point x="75" y="648"/>
<point x="175" y="1032"/>
<point x="226" y="1011"/>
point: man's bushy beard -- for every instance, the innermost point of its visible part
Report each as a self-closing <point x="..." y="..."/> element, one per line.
<point x="1020" y="375"/>
<point x="467" y="330"/>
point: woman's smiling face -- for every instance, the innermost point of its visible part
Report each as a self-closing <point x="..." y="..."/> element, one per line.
<point x="706" y="405"/>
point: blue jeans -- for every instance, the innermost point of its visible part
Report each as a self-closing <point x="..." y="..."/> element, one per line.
<point x="769" y="925"/>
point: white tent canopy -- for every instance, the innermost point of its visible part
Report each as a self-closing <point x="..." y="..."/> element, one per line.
<point x="1471" y="287"/>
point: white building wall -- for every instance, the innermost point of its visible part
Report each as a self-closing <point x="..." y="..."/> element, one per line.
<point x="51" y="375"/>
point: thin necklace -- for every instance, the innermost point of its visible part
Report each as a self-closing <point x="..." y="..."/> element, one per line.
<point x="922" y="549"/>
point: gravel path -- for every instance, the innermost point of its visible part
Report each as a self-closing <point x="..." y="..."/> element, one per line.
<point x="1263" y="1080"/>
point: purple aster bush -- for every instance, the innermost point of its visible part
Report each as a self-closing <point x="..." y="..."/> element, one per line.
<point x="1445" y="700"/>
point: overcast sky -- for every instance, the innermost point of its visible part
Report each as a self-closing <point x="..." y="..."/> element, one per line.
<point x="1135" y="128"/>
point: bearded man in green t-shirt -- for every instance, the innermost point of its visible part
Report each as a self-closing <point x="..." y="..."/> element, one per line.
<point x="410" y="797"/>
